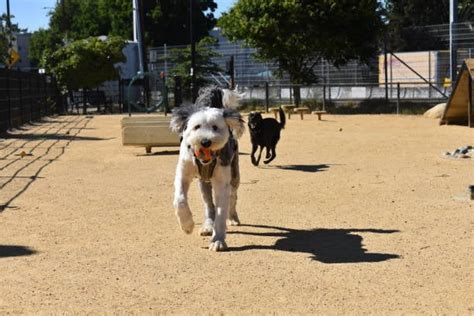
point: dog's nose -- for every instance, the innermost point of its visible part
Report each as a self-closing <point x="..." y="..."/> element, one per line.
<point x="206" y="143"/>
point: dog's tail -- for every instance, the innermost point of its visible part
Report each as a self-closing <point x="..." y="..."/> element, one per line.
<point x="231" y="98"/>
<point x="282" y="118"/>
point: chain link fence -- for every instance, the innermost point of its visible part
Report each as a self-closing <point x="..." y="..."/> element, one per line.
<point x="411" y="76"/>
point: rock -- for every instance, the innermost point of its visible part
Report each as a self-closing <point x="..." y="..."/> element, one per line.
<point x="435" y="112"/>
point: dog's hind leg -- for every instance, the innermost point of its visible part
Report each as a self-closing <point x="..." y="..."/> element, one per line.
<point x="268" y="155"/>
<point x="209" y="209"/>
<point x="273" y="155"/>
<point x="234" y="183"/>
<point x="222" y="191"/>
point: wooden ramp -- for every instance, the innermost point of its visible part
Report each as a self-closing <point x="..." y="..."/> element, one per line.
<point x="148" y="131"/>
<point x="459" y="109"/>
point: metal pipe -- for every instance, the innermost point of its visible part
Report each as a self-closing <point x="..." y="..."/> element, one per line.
<point x="453" y="18"/>
<point x="416" y="73"/>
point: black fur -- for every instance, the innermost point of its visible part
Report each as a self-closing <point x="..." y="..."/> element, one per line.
<point x="210" y="96"/>
<point x="265" y="133"/>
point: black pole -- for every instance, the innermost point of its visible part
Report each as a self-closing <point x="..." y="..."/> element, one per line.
<point x="232" y="73"/>
<point x="177" y="91"/>
<point x="469" y="101"/>
<point x="398" y="97"/>
<point x="193" y="52"/>
<point x="146" y="85"/>
<point x="324" y="97"/>
<point x="9" y="32"/>
<point x="385" y="64"/>
<point x="267" y="97"/>
<point x="7" y="77"/>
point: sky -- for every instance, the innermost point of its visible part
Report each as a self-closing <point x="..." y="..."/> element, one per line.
<point x="33" y="14"/>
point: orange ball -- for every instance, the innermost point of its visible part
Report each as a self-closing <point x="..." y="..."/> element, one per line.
<point x="203" y="153"/>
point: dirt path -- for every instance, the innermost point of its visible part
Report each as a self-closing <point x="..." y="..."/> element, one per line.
<point x="356" y="215"/>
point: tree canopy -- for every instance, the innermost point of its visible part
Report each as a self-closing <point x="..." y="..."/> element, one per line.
<point x="166" y="21"/>
<point x="204" y="67"/>
<point x="297" y="34"/>
<point x="408" y="17"/>
<point x="86" y="63"/>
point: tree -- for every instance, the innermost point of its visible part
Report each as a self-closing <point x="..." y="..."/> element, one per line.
<point x="86" y="63"/>
<point x="407" y="18"/>
<point x="7" y="36"/>
<point x="204" y="68"/>
<point x="43" y="43"/>
<point x="297" y="34"/>
<point x="167" y="21"/>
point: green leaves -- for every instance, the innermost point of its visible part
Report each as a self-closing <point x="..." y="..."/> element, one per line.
<point x="86" y="63"/>
<point x="297" y="33"/>
<point x="181" y="58"/>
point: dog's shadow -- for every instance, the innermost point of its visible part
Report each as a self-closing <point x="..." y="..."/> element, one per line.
<point x="324" y="245"/>
<point x="303" y="168"/>
<point x="15" y="251"/>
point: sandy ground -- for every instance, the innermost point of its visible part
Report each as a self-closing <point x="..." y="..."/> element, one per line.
<point x="356" y="215"/>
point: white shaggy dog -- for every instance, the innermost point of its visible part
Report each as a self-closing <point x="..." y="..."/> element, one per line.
<point x="208" y="151"/>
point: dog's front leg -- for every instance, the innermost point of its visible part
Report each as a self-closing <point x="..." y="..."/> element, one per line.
<point x="222" y="191"/>
<point x="252" y="155"/>
<point x="209" y="209"/>
<point x="182" y="182"/>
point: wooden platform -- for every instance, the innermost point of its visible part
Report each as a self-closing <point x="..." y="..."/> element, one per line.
<point x="301" y="111"/>
<point x="148" y="131"/>
<point x="459" y="109"/>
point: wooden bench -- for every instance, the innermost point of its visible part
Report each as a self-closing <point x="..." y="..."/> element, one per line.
<point x="301" y="111"/>
<point x="148" y="131"/>
<point x="319" y="113"/>
<point x="288" y="109"/>
<point x="275" y="111"/>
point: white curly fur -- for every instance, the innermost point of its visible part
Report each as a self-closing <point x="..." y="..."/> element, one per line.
<point x="196" y="125"/>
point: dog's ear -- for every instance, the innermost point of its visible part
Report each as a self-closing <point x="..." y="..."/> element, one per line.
<point x="234" y="121"/>
<point x="180" y="117"/>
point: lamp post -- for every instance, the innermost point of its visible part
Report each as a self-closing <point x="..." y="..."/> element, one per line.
<point x="193" y="52"/>
<point x="453" y="19"/>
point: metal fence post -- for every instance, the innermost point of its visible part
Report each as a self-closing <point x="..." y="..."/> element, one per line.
<point x="324" y="97"/>
<point x="120" y="105"/>
<point x="7" y="77"/>
<point x="20" y="99"/>
<point x="398" y="98"/>
<point x="267" y="97"/>
<point x="469" y="102"/>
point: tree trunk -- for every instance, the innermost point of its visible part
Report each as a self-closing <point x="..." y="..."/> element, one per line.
<point x="297" y="94"/>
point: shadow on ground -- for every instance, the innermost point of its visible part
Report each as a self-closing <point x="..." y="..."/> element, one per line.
<point x="52" y="152"/>
<point x="15" y="251"/>
<point x="33" y="137"/>
<point x="324" y="245"/>
<point x="160" y="153"/>
<point x="303" y="168"/>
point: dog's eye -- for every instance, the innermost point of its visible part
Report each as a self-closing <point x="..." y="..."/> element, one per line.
<point x="214" y="127"/>
<point x="197" y="127"/>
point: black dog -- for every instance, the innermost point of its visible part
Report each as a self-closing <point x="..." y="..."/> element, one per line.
<point x="265" y="133"/>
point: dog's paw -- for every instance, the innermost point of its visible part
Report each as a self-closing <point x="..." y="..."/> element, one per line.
<point x="234" y="220"/>
<point x="206" y="229"/>
<point x="218" y="245"/>
<point x="187" y="226"/>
